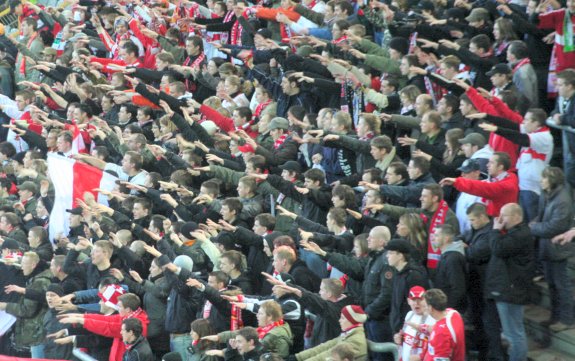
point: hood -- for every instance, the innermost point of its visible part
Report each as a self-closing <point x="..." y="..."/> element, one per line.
<point x="457" y="246"/>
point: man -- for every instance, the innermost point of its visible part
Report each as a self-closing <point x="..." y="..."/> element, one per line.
<point x="450" y="275"/>
<point x="285" y="261"/>
<point x="376" y="276"/>
<point x="94" y="269"/>
<point x="470" y="169"/>
<point x="76" y="221"/>
<point x="130" y="170"/>
<point x="501" y="188"/>
<point x="413" y="337"/>
<point x="231" y="210"/>
<point x="29" y="330"/>
<point x="10" y="228"/>
<point x="137" y="347"/>
<point x="524" y="76"/>
<point x="564" y="115"/>
<point x="64" y="143"/>
<point x="284" y="147"/>
<point x="447" y="340"/>
<point x="448" y="109"/>
<point x="32" y="41"/>
<point x="432" y="138"/>
<point x="408" y="273"/>
<point x="215" y="309"/>
<point x="247" y="345"/>
<point x="69" y="284"/>
<point x="39" y="243"/>
<point x="474" y="146"/>
<point x="508" y="277"/>
<point x="27" y="202"/>
<point x="251" y="202"/>
<point x="19" y="108"/>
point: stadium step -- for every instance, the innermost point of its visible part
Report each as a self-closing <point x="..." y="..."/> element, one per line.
<point x="542" y="339"/>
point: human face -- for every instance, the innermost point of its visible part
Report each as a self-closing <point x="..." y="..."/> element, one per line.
<point x="124" y="116"/>
<point x="417" y="305"/>
<point x="258" y="228"/>
<point x="33" y="240"/>
<point x="496" y="32"/>
<point x="227" y="215"/>
<point x="428" y="201"/>
<point x="98" y="256"/>
<point x="286" y="85"/>
<point x="373" y="242"/>
<point x="344" y="323"/>
<point x="507" y="219"/>
<point x="413" y="172"/>
<point x="309" y="183"/>
<point x="28" y="265"/>
<point x="402" y="229"/>
<point x="545" y="185"/>
<point x="394" y="258"/>
<point x="226" y="266"/>
<point x="468" y="149"/>
<point x="420" y="105"/>
<point x="336" y="32"/>
<point x="127" y="336"/>
<point x="126" y="163"/>
<point x="242" y="345"/>
<point x="386" y="88"/>
<point x="243" y="190"/>
<point x="154" y="269"/>
<point x="230" y="88"/>
<point x="279" y="264"/>
<point x="465" y="108"/>
<point x="52" y="299"/>
<point x="425" y="125"/>
<point x="371" y="197"/>
<point x="63" y="145"/>
<point x="476" y="222"/>
<point x="263" y="318"/>
<point x="338" y="202"/>
<point x="442" y="107"/>
<point x="564" y="89"/>
<point x="447" y="72"/>
<point x="323" y="292"/>
<point x="391" y="177"/>
<point x="21" y="103"/>
<point x="498" y="80"/>
<point x="377" y="153"/>
<point x="276" y="133"/>
<point x="493" y="168"/>
<point x="121" y="29"/>
<point x="139" y="211"/>
<point x="404" y="66"/>
<point x="529" y="123"/>
<point x="238" y="120"/>
<point x="338" y="13"/>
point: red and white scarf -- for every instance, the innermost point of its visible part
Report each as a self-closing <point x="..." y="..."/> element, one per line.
<point x="263" y="331"/>
<point x="190" y="86"/>
<point x="438" y="219"/>
<point x="520" y="64"/>
<point x="278" y="142"/>
<point x="236" y="316"/>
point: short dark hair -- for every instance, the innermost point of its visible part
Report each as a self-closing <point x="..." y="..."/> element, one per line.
<point x="266" y="220"/>
<point x="481" y="41"/>
<point x="316" y="175"/>
<point x="244" y="112"/>
<point x="250" y="334"/>
<point x="133" y="325"/>
<point x="233" y="204"/>
<point x="451" y="101"/>
<point x="421" y="163"/>
<point x="477" y="209"/>
<point x="539" y="115"/>
<point x="196" y="40"/>
<point x="400" y="169"/>
<point x="519" y="49"/>
<point x="131" y="48"/>
<point x="130" y="300"/>
<point x="220" y="276"/>
<point x="382" y="142"/>
<point x="503" y="159"/>
<point x="436" y="298"/>
<point x="212" y="186"/>
<point x="345" y="6"/>
<point x="435" y="189"/>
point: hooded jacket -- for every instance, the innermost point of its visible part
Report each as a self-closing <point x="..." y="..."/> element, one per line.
<point x="451" y="275"/>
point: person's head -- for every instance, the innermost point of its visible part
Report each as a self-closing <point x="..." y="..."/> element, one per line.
<point x="417" y="167"/>
<point x="264" y="223"/>
<point x="551" y="179"/>
<point x="218" y="280"/>
<point x="406" y="62"/>
<point x="335" y="220"/>
<point x="368" y="123"/>
<point x="351" y="316"/>
<point x="503" y="30"/>
<point x="64" y="142"/>
<point x="247" y="187"/>
<point x="436" y="301"/>
<point x="128" y="303"/>
<point x="396" y="173"/>
<point x="36" y="236"/>
<point x="410" y="226"/>
<point x="343" y="196"/>
<point x="498" y="163"/>
<point x="142" y="208"/>
<point x="430" y="123"/>
<point x="480" y="44"/>
<point x="511" y="215"/>
<point x="131" y="330"/>
<point x="466" y="105"/>
<point x="132" y="162"/>
<point x="164" y="60"/>
<point x="416" y="300"/>
<point x="290" y="84"/>
<point x="338" y="28"/>
<point x="477" y="215"/>
<point x="447" y="106"/>
<point x="380" y="147"/>
<point x="194" y="45"/>
<point x="29" y="263"/>
<point x="566" y="83"/>
<point x="516" y="51"/>
<point x="341" y="122"/>
<point x="269" y="312"/>
<point x="378" y="238"/>
<point x="500" y="75"/>
<point x="201" y="328"/>
<point x="342" y="352"/>
<point x="423" y="104"/>
<point x="373" y="197"/>
<point x="398" y="47"/>
<point x="9" y="221"/>
<point x="56" y="265"/>
<point x="129" y="51"/>
<point x="342" y="9"/>
<point x="360" y="248"/>
<point x="534" y="119"/>
<point x="247" y="339"/>
<point x="102" y="252"/>
<point x="53" y="295"/>
<point x="478" y="17"/>
<point x="444" y="235"/>
<point x="431" y="195"/>
<point x="330" y="289"/>
<point x="314" y="178"/>
<point x="449" y="66"/>
<point x="23" y="98"/>
<point x="471" y="143"/>
<point x="126" y="114"/>
<point x="232" y="262"/>
<point x="231" y="209"/>
<point x="284" y="258"/>
<point x="28" y="26"/>
<point x="389" y="85"/>
<point x="408" y="95"/>
<point x="256" y="164"/>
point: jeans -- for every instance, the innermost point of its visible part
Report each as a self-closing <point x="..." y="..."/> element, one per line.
<point x="560" y="291"/>
<point x="180" y="344"/>
<point x="529" y="202"/>
<point x="511" y="316"/>
<point x="37" y="351"/>
<point x="568" y="161"/>
<point x="492" y="330"/>
<point x="315" y="263"/>
<point x="379" y="331"/>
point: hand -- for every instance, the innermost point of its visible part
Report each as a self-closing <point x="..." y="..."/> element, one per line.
<point x="305" y="235"/>
<point x="213" y="338"/>
<point x="417" y="70"/>
<point x="271" y="279"/>
<point x="564" y="238"/>
<point x="462" y="84"/>
<point x="449" y="44"/>
<point x="302" y="190"/>
<point x="212" y="158"/>
<point x="313" y="247"/>
<point x="117" y="274"/>
<point x="375" y="207"/>
<point x="58" y="334"/>
<point x="65" y="307"/>
<point x="64" y="340"/>
<point x="427" y="43"/>
<point x="14" y="288"/>
<point x="447" y="182"/>
<point x="231" y="298"/>
<point x="217" y="353"/>
<point x="505" y="9"/>
<point x="151" y="250"/>
<point x="477" y="116"/>
<point x="488" y="127"/>
<point x="354" y="214"/>
<point x="331" y="137"/>
<point x="498" y="223"/>
<point x="357" y="54"/>
<point x="192" y="282"/>
<point x="419" y="153"/>
<point x="405" y="141"/>
<point x="370" y="186"/>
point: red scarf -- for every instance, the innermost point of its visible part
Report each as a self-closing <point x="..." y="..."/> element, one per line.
<point x="236" y="316"/>
<point x="260" y="108"/>
<point x="438" y="219"/>
<point x="190" y="86"/>
<point x="520" y="64"/>
<point x="280" y="141"/>
<point x="263" y="331"/>
<point x="347" y="330"/>
<point x="533" y="152"/>
<point x="340" y="40"/>
<point x="28" y="45"/>
<point x="236" y="34"/>
<point x="133" y="314"/>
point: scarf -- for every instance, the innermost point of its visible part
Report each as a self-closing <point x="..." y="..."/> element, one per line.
<point x="236" y="316"/>
<point x="278" y="142"/>
<point x="236" y="34"/>
<point x="28" y="45"/>
<point x="340" y="40"/>
<point x="349" y="329"/>
<point x="133" y="314"/>
<point x="437" y="220"/>
<point x="227" y="18"/>
<point x="191" y="86"/>
<point x="568" y="46"/>
<point x="386" y="161"/>
<point x="535" y="154"/>
<point x="263" y="331"/>
<point x="520" y="64"/>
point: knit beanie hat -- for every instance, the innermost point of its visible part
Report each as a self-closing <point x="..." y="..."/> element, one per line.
<point x="56" y="288"/>
<point x="354" y="314"/>
<point x="399" y="44"/>
<point x="184" y="262"/>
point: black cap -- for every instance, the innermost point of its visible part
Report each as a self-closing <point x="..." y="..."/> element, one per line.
<point x="426" y="5"/>
<point x="187" y="229"/>
<point x="291" y="166"/>
<point x="76" y="211"/>
<point x="470" y="165"/>
<point x="399" y="44"/>
<point x="19" y="157"/>
<point x="399" y="245"/>
<point x="10" y="243"/>
<point x="56" y="288"/>
<point x="499" y="69"/>
<point x="226" y="239"/>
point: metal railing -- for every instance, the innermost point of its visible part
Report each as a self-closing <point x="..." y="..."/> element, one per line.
<point x="7" y="18"/>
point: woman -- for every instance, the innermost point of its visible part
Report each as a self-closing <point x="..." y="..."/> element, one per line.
<point x="233" y="94"/>
<point x="503" y="34"/>
<point x="407" y="95"/>
<point x="555" y="217"/>
<point x="233" y="263"/>
<point x="453" y="156"/>
<point x="197" y="351"/>
<point x="412" y="228"/>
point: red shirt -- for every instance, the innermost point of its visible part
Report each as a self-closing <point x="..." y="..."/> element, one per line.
<point x="447" y="340"/>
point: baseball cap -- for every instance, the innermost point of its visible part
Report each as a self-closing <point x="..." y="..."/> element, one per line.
<point x="10" y="244"/>
<point x="499" y="69"/>
<point x="473" y="139"/>
<point x="278" y="123"/>
<point x="470" y="165"/>
<point x="28" y="186"/>
<point x="291" y="166"/>
<point x="478" y="14"/>
<point x="76" y="211"/>
<point x="416" y="292"/>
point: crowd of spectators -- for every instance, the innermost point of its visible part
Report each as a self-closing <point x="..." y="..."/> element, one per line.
<point x="294" y="178"/>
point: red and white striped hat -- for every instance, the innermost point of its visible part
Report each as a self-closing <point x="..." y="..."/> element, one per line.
<point x="354" y="314"/>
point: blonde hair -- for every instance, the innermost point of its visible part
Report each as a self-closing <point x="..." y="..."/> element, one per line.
<point x="272" y="309"/>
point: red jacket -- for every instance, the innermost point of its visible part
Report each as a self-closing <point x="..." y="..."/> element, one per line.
<point x="447" y="340"/>
<point x="497" y="108"/>
<point x="224" y="123"/>
<point x="110" y="326"/>
<point x="496" y="193"/>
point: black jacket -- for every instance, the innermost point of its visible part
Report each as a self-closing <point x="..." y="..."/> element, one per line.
<point x="376" y="275"/>
<point x="85" y="270"/>
<point x="477" y="252"/>
<point x="511" y="266"/>
<point x="411" y="275"/>
<point x="139" y="351"/>
<point x="304" y="277"/>
<point x="451" y="276"/>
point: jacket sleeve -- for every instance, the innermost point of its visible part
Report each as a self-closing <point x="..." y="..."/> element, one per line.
<point x="382" y="303"/>
<point x="28" y="308"/>
<point x="285" y="187"/>
<point x="287" y="151"/>
<point x="504" y="245"/>
<point x="224" y="123"/>
<point x="559" y="222"/>
<point x="108" y="328"/>
<point x="485" y="189"/>
<point x="354" y="144"/>
<point x="351" y="266"/>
